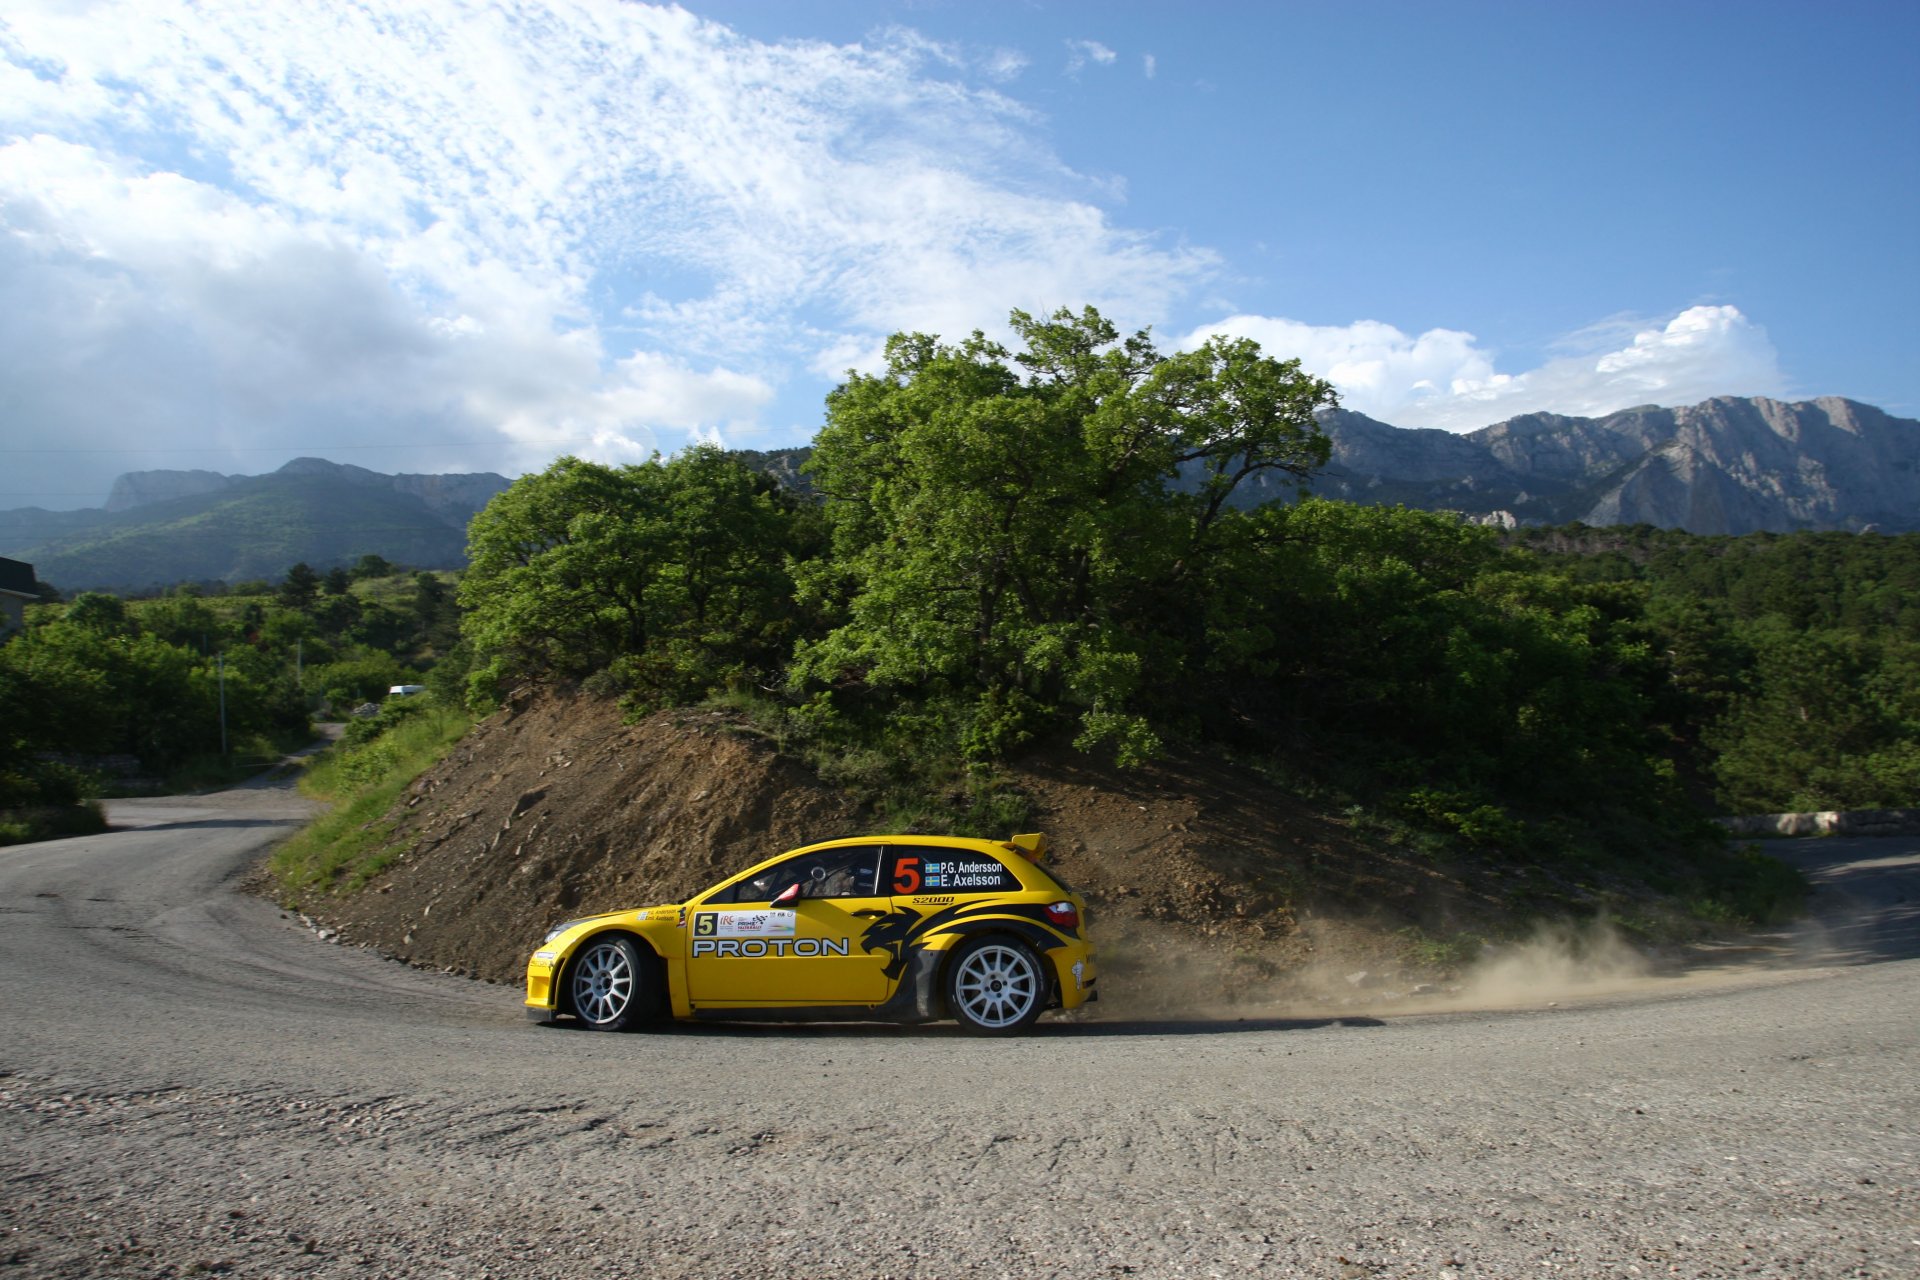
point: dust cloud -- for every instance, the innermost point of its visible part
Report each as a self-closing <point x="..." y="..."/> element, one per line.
<point x="1336" y="969"/>
<point x="1561" y="960"/>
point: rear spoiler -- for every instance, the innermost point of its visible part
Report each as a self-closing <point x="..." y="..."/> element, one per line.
<point x="1032" y="847"/>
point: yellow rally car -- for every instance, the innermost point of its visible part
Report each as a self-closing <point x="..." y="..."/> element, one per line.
<point x="879" y="928"/>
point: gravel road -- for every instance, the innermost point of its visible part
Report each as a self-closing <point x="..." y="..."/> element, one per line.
<point x="192" y="1084"/>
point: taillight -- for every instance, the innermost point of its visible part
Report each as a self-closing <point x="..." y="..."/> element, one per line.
<point x="1063" y="915"/>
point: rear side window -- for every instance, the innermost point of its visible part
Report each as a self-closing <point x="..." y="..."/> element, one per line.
<point x="928" y="869"/>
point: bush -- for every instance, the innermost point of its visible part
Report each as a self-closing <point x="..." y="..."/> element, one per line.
<point x="23" y="826"/>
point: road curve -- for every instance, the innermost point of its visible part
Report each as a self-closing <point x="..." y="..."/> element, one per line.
<point x="192" y="1084"/>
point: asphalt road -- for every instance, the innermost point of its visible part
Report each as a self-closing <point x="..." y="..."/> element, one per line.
<point x="192" y="1084"/>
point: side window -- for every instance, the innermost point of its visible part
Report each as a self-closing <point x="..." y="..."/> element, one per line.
<point x="752" y="889"/>
<point x="927" y="869"/>
<point x="830" y="873"/>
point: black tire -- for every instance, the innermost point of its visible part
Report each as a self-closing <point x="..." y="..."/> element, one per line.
<point x="996" y="985"/>
<point x="610" y="985"/>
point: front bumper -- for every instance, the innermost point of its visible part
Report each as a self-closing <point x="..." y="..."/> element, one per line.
<point x="541" y="971"/>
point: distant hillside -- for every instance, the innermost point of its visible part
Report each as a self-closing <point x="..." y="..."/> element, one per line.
<point x="162" y="527"/>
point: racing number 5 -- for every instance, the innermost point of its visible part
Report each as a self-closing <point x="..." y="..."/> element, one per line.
<point x="906" y="875"/>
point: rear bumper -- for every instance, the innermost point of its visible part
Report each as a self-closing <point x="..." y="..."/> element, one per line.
<point x="1076" y="971"/>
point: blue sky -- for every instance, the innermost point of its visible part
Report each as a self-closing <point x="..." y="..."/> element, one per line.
<point x="463" y="236"/>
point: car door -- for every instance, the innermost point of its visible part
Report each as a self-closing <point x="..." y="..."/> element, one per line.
<point x="747" y="947"/>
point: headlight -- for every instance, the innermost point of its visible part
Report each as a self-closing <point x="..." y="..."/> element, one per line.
<point x="557" y="930"/>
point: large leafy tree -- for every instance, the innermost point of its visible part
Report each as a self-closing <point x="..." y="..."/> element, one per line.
<point x="1019" y="534"/>
<point x="670" y="576"/>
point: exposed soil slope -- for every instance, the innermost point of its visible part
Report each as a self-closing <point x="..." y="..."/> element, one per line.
<point x="553" y="808"/>
<point x="1208" y="889"/>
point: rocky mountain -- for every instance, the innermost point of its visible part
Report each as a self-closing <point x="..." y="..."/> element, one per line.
<point x="161" y="527"/>
<point x="1732" y="465"/>
<point x="139" y="488"/>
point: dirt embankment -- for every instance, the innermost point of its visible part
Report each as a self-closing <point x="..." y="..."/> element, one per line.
<point x="1208" y="888"/>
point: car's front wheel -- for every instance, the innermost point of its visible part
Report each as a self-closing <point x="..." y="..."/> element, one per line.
<point x="995" y="986"/>
<point x="607" y="985"/>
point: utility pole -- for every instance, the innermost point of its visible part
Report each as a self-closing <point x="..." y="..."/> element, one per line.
<point x="223" y="705"/>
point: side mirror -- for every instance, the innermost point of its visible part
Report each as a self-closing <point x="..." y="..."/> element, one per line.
<point x="788" y="896"/>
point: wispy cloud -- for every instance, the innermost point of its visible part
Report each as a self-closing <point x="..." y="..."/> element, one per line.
<point x="1149" y="65"/>
<point x="1081" y="52"/>
<point x="1444" y="378"/>
<point x="612" y="223"/>
<point x="1004" y="64"/>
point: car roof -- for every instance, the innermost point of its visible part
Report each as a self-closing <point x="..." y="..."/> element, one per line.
<point x="999" y="848"/>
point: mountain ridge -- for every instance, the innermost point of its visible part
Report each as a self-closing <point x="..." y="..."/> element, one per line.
<point x="1729" y="465"/>
<point x="162" y="527"/>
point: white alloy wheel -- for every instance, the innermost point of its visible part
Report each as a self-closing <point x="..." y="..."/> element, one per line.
<point x="604" y="984"/>
<point x="995" y="986"/>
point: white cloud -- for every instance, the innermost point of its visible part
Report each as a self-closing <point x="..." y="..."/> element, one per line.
<point x="1443" y="378"/>
<point x="148" y="308"/>
<point x="1004" y="64"/>
<point x="1081" y="52"/>
<point x="461" y="220"/>
<point x="1149" y="64"/>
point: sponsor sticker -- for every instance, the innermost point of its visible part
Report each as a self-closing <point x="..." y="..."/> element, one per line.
<point x="761" y="922"/>
<point x="760" y="948"/>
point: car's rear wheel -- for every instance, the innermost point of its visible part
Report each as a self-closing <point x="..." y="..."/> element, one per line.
<point x="607" y="985"/>
<point x="995" y="986"/>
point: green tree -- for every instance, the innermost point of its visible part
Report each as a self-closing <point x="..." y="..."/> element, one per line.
<point x="98" y="611"/>
<point x="1829" y="721"/>
<point x="1017" y="535"/>
<point x="335" y="616"/>
<point x="438" y="611"/>
<point x="1408" y="646"/>
<point x="116" y="693"/>
<point x="301" y="588"/>
<point x="668" y="576"/>
<point x="185" y="621"/>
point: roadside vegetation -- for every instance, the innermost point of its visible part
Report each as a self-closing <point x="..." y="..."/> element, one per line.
<point x="360" y="779"/>
<point x="1797" y="656"/>
<point x="203" y="684"/>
